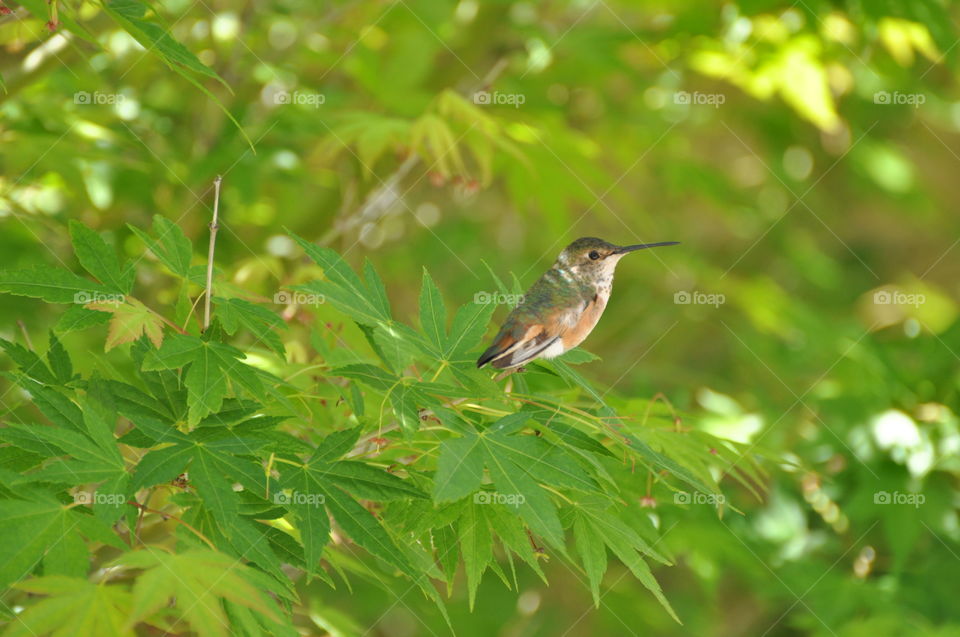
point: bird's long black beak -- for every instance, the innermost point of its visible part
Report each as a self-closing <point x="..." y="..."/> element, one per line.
<point x="644" y="246"/>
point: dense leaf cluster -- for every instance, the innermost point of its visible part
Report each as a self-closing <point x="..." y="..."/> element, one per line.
<point x="200" y="475"/>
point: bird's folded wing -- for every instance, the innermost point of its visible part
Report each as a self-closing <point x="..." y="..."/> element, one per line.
<point x="514" y="346"/>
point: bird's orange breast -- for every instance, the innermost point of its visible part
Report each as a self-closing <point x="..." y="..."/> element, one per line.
<point x="587" y="321"/>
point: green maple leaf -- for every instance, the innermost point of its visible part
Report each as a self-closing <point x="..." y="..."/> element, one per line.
<point x="234" y="313"/>
<point x="365" y="301"/>
<point x="455" y="349"/>
<point x="54" y="285"/>
<point x="130" y="320"/>
<point x="28" y="362"/>
<point x="59" y="360"/>
<point x="60" y="370"/>
<point x="87" y="437"/>
<point x="325" y="484"/>
<point x="31" y="528"/>
<point x="468" y="327"/>
<point x="130" y="15"/>
<point x="73" y="606"/>
<point x="406" y="394"/>
<point x="197" y="580"/>
<point x="699" y="478"/>
<point x="476" y="545"/>
<point x="211" y="364"/>
<point x="473" y="529"/>
<point x="595" y="528"/>
<point x="518" y="465"/>
<point x="210" y="457"/>
<point x="100" y="260"/>
<point x="171" y="247"/>
<point x="78" y="318"/>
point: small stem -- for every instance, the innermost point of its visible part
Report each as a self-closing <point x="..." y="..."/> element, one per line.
<point x="533" y="544"/>
<point x="377" y="434"/>
<point x="140" y="515"/>
<point x="662" y="397"/>
<point x="285" y="461"/>
<point x="309" y="368"/>
<point x="26" y="334"/>
<point x="167" y="516"/>
<point x="481" y="409"/>
<point x="557" y="493"/>
<point x="493" y="74"/>
<point x="214" y="226"/>
<point x="167" y="321"/>
<point x="193" y="307"/>
<point x="267" y="472"/>
<point x="440" y="369"/>
<point x="586" y="419"/>
<point x="507" y="373"/>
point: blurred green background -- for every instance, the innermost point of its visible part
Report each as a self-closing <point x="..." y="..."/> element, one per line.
<point x="805" y="154"/>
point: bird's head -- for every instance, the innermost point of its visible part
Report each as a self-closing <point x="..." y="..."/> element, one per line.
<point x="594" y="257"/>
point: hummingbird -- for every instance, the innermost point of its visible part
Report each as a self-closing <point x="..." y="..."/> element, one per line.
<point x="561" y="309"/>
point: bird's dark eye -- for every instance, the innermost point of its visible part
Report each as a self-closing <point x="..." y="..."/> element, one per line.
<point x="594" y="255"/>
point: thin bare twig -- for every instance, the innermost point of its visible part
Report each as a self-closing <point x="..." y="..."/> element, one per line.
<point x="388" y="187"/>
<point x="214" y="226"/>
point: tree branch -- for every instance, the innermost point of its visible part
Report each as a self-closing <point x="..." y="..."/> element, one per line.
<point x="377" y="197"/>
<point x="214" y="226"/>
